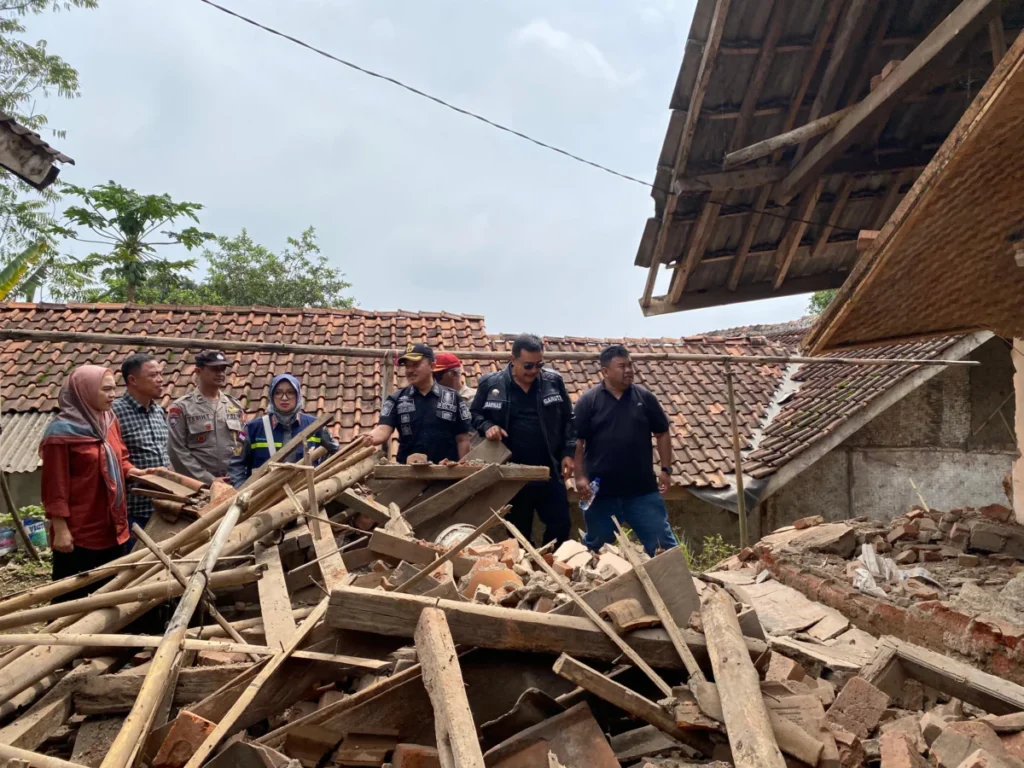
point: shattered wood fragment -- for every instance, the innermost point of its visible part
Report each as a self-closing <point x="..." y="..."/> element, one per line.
<point x="574" y="737"/>
<point x="457" y="743"/>
<point x="627" y="615"/>
<point x="275" y="604"/>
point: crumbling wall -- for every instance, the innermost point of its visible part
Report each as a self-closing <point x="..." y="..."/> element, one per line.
<point x="945" y="436"/>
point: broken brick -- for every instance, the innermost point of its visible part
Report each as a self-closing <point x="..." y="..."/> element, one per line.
<point x="906" y="530"/>
<point x="610" y="566"/>
<point x="979" y="732"/>
<point x="851" y="750"/>
<point x="563" y="569"/>
<point x="967" y="561"/>
<point x="986" y="537"/>
<point x="746" y="554"/>
<point x="911" y="728"/>
<point x="982" y="759"/>
<point x="898" y="752"/>
<point x="187" y="733"/>
<point x="415" y="756"/>
<point x="784" y="668"/>
<point x="997" y="513"/>
<point x="1013" y="744"/>
<point x="858" y="707"/>
<point x="544" y="605"/>
<point x="808" y="522"/>
<point x="906" y="557"/>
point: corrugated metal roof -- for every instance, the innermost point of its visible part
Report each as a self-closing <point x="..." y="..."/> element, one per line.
<point x="19" y="443"/>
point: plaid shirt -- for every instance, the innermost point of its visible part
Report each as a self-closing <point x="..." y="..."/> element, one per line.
<point x="144" y="431"/>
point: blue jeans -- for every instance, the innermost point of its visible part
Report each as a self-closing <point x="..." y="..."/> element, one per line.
<point x="142" y="521"/>
<point x="646" y="515"/>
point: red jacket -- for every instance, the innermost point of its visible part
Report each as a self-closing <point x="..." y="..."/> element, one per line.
<point x="73" y="488"/>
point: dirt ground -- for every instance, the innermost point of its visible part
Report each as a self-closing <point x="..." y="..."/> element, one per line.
<point x="18" y="572"/>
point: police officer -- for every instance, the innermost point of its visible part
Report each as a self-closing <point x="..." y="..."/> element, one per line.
<point x="431" y="419"/>
<point x="204" y="424"/>
<point x="528" y="408"/>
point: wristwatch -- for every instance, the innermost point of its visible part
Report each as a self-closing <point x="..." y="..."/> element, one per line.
<point x="667" y="470"/>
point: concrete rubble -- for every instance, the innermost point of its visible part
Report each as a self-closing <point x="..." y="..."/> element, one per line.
<point x="391" y="618"/>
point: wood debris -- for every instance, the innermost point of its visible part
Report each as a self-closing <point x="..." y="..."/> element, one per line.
<point x="392" y="617"/>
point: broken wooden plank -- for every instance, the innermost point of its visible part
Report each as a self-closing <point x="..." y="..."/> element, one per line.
<point x="414" y="552"/>
<point x="275" y="605"/>
<point x="111" y="694"/>
<point x="457" y="742"/>
<point x="489" y="626"/>
<point x="228" y="724"/>
<point x="628" y="701"/>
<point x="589" y="612"/>
<point x="791" y="138"/>
<point x="34" y="759"/>
<point x="454" y="495"/>
<point x="332" y="566"/>
<point x="476" y="510"/>
<point x="364" y="506"/>
<point x="744" y="713"/>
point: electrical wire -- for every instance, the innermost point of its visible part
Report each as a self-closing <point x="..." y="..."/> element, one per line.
<point x="487" y="121"/>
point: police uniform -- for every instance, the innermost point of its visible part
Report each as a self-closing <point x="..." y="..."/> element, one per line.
<point x="204" y="433"/>
<point x="427" y="423"/>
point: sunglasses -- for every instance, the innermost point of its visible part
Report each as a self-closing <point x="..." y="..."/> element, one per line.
<point x="531" y="366"/>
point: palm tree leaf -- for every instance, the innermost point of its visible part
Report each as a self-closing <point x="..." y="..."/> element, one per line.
<point x="13" y="273"/>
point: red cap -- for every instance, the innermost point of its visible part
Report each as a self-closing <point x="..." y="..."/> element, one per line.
<point x="445" y="361"/>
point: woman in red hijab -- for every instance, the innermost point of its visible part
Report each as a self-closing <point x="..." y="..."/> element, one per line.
<point x="85" y="464"/>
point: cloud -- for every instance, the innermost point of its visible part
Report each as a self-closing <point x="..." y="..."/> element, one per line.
<point x="580" y="54"/>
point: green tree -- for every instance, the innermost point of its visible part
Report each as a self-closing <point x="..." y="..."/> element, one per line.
<point x="244" y="273"/>
<point x="27" y="71"/>
<point x="820" y="300"/>
<point x="125" y="220"/>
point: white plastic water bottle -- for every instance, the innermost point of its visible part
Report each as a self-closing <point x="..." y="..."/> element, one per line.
<point x="595" y="484"/>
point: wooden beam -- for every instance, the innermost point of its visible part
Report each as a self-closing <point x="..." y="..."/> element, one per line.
<point x="703" y="80"/>
<point x="384" y="543"/>
<point x="747" y="292"/>
<point x="367" y="507"/>
<point x="743" y="710"/>
<point x="866" y="239"/>
<point x="747" y="240"/>
<point x="997" y="39"/>
<point x="891" y="200"/>
<point x="783" y="141"/>
<point x="453" y="496"/>
<point x="700" y="233"/>
<point x="488" y="626"/>
<point x="275" y="605"/>
<point x="628" y="701"/>
<point x="833" y="218"/>
<point x="795" y="232"/>
<point x="772" y="34"/>
<point x="726" y="181"/>
<point x="114" y="694"/>
<point x="433" y="472"/>
<point x="332" y="566"/>
<point x="956" y="29"/>
<point x="457" y="742"/>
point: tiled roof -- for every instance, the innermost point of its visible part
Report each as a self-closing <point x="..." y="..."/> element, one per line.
<point x="827" y="396"/>
<point x="19" y="445"/>
<point x="693" y="394"/>
<point x="789" y="333"/>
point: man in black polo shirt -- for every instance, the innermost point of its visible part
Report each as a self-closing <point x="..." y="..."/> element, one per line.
<point x="527" y="407"/>
<point x="614" y="424"/>
<point x="430" y="419"/>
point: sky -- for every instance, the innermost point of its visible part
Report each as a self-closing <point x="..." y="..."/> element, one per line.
<point x="422" y="208"/>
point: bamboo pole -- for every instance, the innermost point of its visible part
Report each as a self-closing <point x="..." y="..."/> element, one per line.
<point x="788" y="139"/>
<point x="43" y="661"/>
<point x="207" y="600"/>
<point x="590" y="613"/>
<point x="168" y="654"/>
<point x="161" y="591"/>
<point x="329" y="350"/>
<point x="227" y="723"/>
<point x="741" y="501"/>
<point x="34" y="759"/>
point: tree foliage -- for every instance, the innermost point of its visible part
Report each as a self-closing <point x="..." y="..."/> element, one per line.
<point x="124" y="221"/>
<point x="244" y="273"/>
<point x="28" y="70"/>
<point x="820" y="300"/>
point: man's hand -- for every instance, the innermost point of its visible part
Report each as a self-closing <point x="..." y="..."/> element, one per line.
<point x="136" y="472"/>
<point x="583" y="486"/>
<point x="62" y="541"/>
<point x="664" y="482"/>
<point x="567" y="467"/>
<point x="496" y="433"/>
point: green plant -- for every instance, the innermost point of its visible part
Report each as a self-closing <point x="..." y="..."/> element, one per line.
<point x="714" y="549"/>
<point x="820" y="300"/>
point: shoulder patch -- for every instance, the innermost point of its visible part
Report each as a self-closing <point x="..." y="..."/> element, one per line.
<point x="173" y="415"/>
<point x="387" y="407"/>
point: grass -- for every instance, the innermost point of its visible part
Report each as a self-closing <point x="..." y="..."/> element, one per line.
<point x="21" y="572"/>
<point x="714" y="550"/>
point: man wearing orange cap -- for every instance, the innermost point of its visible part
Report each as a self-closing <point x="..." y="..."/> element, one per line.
<point x="448" y="373"/>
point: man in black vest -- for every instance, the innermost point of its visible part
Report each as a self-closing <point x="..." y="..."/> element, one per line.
<point x="527" y="407"/>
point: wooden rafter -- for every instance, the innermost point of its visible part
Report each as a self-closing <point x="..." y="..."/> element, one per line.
<point x="960" y="26"/>
<point x="709" y="213"/>
<point x="891" y="199"/>
<point x="700" y="233"/>
<point x="707" y="65"/>
<point x="997" y="39"/>
<point x="795" y="230"/>
<point x="833" y="218"/>
<point x="810" y="66"/>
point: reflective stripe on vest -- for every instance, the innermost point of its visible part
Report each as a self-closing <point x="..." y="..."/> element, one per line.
<point x="268" y="431"/>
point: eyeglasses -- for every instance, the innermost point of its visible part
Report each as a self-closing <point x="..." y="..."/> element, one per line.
<point x="531" y="366"/>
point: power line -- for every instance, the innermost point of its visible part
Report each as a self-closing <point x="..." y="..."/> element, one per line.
<point x="481" y="118"/>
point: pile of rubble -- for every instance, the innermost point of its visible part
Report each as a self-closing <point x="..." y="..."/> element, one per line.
<point x="408" y="625"/>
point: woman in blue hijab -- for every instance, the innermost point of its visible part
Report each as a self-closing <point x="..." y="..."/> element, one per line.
<point x="262" y="439"/>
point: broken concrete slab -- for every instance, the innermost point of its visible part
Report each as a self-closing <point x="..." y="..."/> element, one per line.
<point x="834" y="538"/>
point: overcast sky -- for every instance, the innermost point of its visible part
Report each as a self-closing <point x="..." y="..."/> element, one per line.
<point x="423" y="209"/>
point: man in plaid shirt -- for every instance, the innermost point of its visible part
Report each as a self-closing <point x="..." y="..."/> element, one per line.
<point x="143" y="424"/>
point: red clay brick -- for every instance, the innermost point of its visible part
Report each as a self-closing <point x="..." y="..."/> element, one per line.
<point x="186" y="734"/>
<point x="1013" y="743"/>
<point x="414" y="756"/>
<point x="858" y="707"/>
<point x="898" y="752"/>
<point x="888" y="619"/>
<point x="982" y="759"/>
